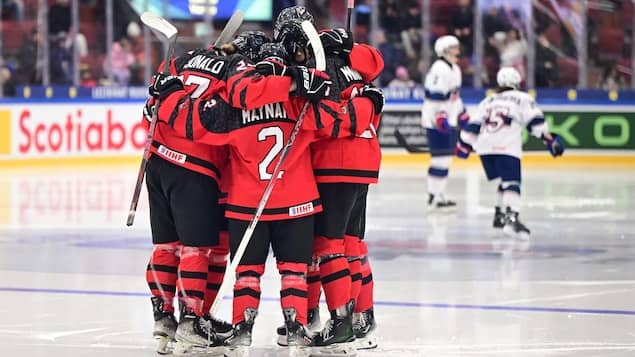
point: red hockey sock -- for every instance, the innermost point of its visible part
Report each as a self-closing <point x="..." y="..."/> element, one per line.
<point x="246" y="290"/>
<point x="161" y="273"/>
<point x="365" y="299"/>
<point x="351" y="250"/>
<point x="216" y="270"/>
<point x="314" y="285"/>
<point x="193" y="277"/>
<point x="334" y="274"/>
<point x="293" y="289"/>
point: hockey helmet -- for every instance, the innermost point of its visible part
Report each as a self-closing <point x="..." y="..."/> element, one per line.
<point x="508" y="77"/>
<point x="443" y="43"/>
<point x="273" y="50"/>
<point x="295" y="14"/>
<point x="248" y="43"/>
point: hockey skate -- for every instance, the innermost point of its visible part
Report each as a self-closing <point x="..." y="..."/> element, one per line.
<point x="499" y="218"/>
<point x="364" y="328"/>
<point x="240" y="339"/>
<point x="297" y="335"/>
<point x="313" y="326"/>
<point x="223" y="329"/>
<point x="336" y="336"/>
<point x="164" y="327"/>
<point x="513" y="227"/>
<point x="195" y="335"/>
<point x="440" y="203"/>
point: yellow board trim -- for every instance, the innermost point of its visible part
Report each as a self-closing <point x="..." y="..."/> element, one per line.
<point x="388" y="159"/>
<point x="5" y="132"/>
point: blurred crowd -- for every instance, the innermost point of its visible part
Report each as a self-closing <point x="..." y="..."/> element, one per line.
<point x="557" y="25"/>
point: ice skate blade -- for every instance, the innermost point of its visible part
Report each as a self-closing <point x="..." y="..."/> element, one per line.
<point x="164" y="345"/>
<point x="337" y="350"/>
<point x="299" y="351"/>
<point x="183" y="348"/>
<point x="509" y="232"/>
<point x="239" y="351"/>
<point x="367" y="342"/>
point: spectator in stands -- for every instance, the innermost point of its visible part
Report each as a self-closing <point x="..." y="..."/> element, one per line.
<point x="12" y="10"/>
<point x="121" y="58"/>
<point x="461" y="25"/>
<point x="8" y="85"/>
<point x="30" y="64"/>
<point x="393" y="57"/>
<point x="59" y="16"/>
<point x="60" y="60"/>
<point x="390" y="21"/>
<point x="546" y="63"/>
<point x="493" y="22"/>
<point x="402" y="79"/>
<point x="612" y="79"/>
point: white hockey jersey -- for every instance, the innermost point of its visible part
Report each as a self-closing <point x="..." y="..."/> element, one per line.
<point x="497" y="126"/>
<point x="442" y="93"/>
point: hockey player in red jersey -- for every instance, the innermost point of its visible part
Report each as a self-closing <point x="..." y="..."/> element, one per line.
<point x="343" y="186"/>
<point x="255" y="138"/>
<point x="182" y="181"/>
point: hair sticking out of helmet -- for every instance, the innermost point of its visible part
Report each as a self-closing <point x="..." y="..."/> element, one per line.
<point x="444" y="43"/>
<point x="248" y="44"/>
<point x="275" y="51"/>
<point x="508" y="77"/>
<point x="295" y="14"/>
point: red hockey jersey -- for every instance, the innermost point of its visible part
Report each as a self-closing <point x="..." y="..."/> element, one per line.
<point x="256" y="138"/>
<point x="352" y="159"/>
<point x="204" y="73"/>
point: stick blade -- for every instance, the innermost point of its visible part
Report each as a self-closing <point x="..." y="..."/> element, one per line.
<point x="159" y="25"/>
<point x="231" y="28"/>
<point x="316" y="44"/>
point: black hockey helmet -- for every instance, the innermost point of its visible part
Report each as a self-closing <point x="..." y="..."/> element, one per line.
<point x="291" y="14"/>
<point x="248" y="43"/>
<point x="294" y="41"/>
<point x="273" y="50"/>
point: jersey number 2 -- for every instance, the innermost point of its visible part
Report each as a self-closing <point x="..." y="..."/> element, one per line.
<point x="278" y="135"/>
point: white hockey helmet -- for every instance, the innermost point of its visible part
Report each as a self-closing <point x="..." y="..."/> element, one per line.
<point x="508" y="77"/>
<point x="442" y="44"/>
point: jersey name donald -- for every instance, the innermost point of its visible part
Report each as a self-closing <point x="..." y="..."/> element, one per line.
<point x="442" y="93"/>
<point x="502" y="118"/>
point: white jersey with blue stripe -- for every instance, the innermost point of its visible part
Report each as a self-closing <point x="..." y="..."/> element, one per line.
<point x="442" y="93"/>
<point x="500" y="118"/>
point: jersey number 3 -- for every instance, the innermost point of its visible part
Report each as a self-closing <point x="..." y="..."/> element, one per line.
<point x="278" y="135"/>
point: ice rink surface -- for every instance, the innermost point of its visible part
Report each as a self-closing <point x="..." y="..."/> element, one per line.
<point x="72" y="274"/>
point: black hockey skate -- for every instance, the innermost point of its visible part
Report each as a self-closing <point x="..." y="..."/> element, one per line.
<point x="440" y="203"/>
<point x="499" y="218"/>
<point x="223" y="329"/>
<point x="336" y="336"/>
<point x="240" y="339"/>
<point x="164" y="326"/>
<point x="364" y="327"/>
<point x="513" y="227"/>
<point x="313" y="325"/>
<point x="195" y="334"/>
<point x="298" y="336"/>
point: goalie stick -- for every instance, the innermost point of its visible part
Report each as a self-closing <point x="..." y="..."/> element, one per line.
<point x="167" y="33"/>
<point x="320" y="64"/>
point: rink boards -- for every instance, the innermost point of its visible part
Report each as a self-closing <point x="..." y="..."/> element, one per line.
<point x="92" y="132"/>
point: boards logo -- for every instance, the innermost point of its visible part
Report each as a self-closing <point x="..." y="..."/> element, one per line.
<point x="78" y="131"/>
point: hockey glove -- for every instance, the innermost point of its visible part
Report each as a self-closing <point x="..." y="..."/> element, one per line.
<point x="443" y="125"/>
<point x="555" y="145"/>
<point x="272" y="67"/>
<point x="148" y="109"/>
<point x="376" y="95"/>
<point x="164" y="84"/>
<point x="313" y="84"/>
<point x="462" y="149"/>
<point x="464" y="118"/>
<point x="337" y="42"/>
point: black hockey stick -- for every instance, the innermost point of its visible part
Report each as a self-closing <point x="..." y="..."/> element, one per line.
<point x="349" y="18"/>
<point x="166" y="32"/>
<point x="401" y="140"/>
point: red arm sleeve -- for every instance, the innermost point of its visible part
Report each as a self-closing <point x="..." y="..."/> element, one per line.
<point x="366" y="60"/>
<point x="252" y="90"/>
<point x="338" y="119"/>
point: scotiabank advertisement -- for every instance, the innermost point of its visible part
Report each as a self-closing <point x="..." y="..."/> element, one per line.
<point x="71" y="129"/>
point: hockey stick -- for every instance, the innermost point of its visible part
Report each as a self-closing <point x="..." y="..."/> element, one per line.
<point x="320" y="64"/>
<point x="349" y="17"/>
<point x="401" y="140"/>
<point x="230" y="28"/>
<point x="167" y="33"/>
